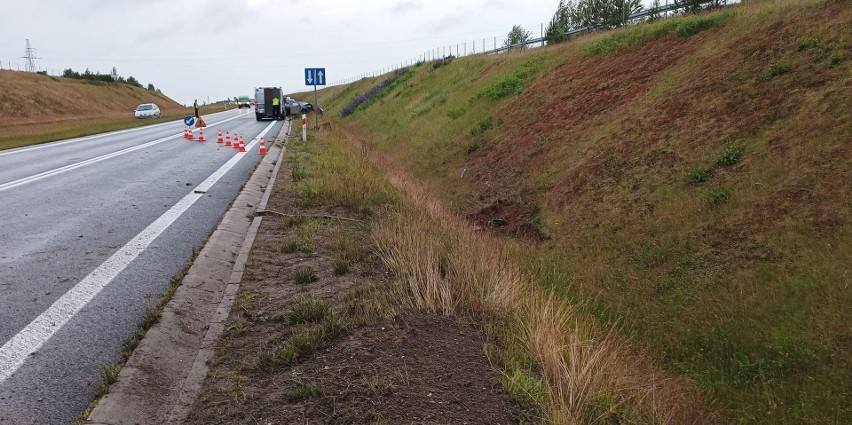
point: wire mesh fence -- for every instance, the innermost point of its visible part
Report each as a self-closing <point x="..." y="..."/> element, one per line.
<point x="496" y="45"/>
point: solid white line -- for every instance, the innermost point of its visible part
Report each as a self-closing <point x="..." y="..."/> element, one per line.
<point x="95" y="136"/>
<point x="29" y="340"/>
<point x="74" y="166"/>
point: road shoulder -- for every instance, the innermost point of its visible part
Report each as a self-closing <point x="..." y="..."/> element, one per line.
<point x="164" y="369"/>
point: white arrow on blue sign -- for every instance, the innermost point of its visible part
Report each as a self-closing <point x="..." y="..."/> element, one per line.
<point x="314" y="76"/>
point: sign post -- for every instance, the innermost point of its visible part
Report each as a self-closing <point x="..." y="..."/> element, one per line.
<point x="315" y="77"/>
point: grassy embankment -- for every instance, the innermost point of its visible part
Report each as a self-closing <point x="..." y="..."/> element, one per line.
<point x="685" y="183"/>
<point x="38" y="108"/>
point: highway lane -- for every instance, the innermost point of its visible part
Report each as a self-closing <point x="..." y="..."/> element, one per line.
<point x="74" y="151"/>
<point x="59" y="229"/>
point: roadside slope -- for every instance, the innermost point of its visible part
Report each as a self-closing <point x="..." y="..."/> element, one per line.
<point x="36" y="108"/>
<point x="687" y="180"/>
<point x="30" y="98"/>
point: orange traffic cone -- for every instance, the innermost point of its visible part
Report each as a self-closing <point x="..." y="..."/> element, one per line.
<point x="228" y="139"/>
<point x="219" y="139"/>
<point x="201" y="135"/>
<point x="262" y="149"/>
<point x="242" y="145"/>
<point x="236" y="142"/>
<point x="189" y="135"/>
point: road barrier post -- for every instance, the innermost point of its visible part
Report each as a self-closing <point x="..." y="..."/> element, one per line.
<point x="304" y="127"/>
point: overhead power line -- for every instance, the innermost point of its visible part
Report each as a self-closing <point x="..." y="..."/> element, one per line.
<point x="29" y="55"/>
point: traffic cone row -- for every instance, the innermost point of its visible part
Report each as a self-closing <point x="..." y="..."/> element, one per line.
<point x="239" y="144"/>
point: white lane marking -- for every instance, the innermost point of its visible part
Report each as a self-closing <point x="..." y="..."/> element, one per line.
<point x="29" y="340"/>
<point x="74" y="166"/>
<point x="95" y="136"/>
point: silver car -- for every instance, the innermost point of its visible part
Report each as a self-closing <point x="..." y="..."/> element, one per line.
<point x="147" y="110"/>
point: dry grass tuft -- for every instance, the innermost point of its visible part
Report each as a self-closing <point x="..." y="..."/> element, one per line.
<point x="445" y="267"/>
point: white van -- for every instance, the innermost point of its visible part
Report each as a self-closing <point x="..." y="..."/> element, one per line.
<point x="263" y="102"/>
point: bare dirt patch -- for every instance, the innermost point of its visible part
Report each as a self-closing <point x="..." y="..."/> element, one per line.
<point x="418" y="368"/>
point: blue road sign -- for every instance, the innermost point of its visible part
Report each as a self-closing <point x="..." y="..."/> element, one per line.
<point x="190" y="121"/>
<point x="314" y="76"/>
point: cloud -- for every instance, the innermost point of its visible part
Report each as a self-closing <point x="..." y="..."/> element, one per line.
<point x="450" y="22"/>
<point x="406" y="6"/>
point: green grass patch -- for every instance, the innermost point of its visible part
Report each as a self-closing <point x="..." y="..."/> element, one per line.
<point x="697" y="176"/>
<point x="304" y="275"/>
<point x="472" y="147"/>
<point x="303" y="391"/>
<point x="292" y="246"/>
<point x="776" y="68"/>
<point x="298" y="173"/>
<point x="730" y="156"/>
<point x="514" y="83"/>
<point x="455" y="113"/>
<point x="308" y="310"/>
<point x="680" y="27"/>
<point x="304" y="342"/>
<point x="340" y="266"/>
<point x="716" y="195"/>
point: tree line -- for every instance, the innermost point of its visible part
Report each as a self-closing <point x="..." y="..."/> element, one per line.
<point x="112" y="77"/>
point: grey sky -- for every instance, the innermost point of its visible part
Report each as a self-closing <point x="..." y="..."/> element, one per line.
<point x="223" y="48"/>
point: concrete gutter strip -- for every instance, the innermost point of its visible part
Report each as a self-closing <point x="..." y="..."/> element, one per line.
<point x="193" y="382"/>
<point x="162" y="378"/>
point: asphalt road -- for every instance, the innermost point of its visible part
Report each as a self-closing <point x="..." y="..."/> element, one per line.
<point x="93" y="229"/>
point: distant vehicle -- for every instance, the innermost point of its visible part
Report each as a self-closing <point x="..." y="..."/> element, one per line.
<point x="147" y="110"/>
<point x="306" y="107"/>
<point x="293" y="107"/>
<point x="243" y="102"/>
<point x="263" y="102"/>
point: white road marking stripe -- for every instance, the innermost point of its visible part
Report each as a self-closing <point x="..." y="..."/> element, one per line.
<point x="84" y="138"/>
<point x="15" y="352"/>
<point x="74" y="166"/>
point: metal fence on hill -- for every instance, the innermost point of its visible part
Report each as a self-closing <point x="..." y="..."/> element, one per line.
<point x="663" y="11"/>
